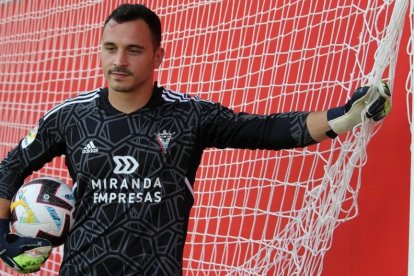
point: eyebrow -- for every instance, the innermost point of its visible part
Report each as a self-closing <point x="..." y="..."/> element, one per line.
<point x="108" y="43"/>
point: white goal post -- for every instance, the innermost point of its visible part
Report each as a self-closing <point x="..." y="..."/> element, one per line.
<point x="256" y="212"/>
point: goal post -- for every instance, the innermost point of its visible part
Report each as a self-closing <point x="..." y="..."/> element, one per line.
<point x="410" y="107"/>
<point x="255" y="212"/>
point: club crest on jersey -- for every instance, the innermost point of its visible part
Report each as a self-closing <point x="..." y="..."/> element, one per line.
<point x="163" y="139"/>
<point x="29" y="138"/>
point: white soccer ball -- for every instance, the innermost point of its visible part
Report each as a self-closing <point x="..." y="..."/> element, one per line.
<point x="43" y="208"/>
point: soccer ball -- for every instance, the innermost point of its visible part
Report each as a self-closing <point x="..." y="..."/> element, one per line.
<point x="43" y="208"/>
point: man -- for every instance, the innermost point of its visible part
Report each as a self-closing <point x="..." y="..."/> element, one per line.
<point x="134" y="190"/>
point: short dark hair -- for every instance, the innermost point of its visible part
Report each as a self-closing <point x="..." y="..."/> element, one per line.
<point x="129" y="12"/>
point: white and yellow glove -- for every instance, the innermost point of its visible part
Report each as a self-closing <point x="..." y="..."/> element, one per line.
<point x="344" y="118"/>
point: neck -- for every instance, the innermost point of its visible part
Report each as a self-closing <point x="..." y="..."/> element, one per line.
<point x="128" y="102"/>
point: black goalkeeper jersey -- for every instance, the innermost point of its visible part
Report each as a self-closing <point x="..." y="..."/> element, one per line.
<point x="133" y="174"/>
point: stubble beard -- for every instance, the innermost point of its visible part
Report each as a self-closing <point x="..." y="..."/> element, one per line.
<point x="121" y="88"/>
<point x="119" y="85"/>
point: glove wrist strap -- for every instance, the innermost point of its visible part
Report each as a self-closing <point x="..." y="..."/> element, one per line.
<point x="332" y="114"/>
<point x="331" y="134"/>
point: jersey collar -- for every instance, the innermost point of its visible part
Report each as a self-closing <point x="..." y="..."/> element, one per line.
<point x="109" y="109"/>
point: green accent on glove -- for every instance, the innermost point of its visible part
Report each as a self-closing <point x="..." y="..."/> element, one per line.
<point x="31" y="261"/>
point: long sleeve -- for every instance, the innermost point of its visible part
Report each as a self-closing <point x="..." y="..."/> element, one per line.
<point x="39" y="147"/>
<point x="221" y="127"/>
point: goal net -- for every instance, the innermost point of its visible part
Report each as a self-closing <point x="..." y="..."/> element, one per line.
<point x="256" y="212"/>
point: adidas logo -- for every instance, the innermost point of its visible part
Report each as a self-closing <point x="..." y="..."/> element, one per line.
<point x="90" y="147"/>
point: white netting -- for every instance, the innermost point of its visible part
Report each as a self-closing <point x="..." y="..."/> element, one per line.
<point x="256" y="212"/>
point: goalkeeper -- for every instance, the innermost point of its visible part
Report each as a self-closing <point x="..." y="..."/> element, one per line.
<point x="133" y="149"/>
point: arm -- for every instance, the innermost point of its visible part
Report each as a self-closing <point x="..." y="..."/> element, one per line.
<point x="317" y="123"/>
<point x="221" y="127"/>
<point x="4" y="208"/>
<point x="25" y="254"/>
<point x="39" y="147"/>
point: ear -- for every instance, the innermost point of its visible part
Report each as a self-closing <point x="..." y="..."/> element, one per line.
<point x="158" y="57"/>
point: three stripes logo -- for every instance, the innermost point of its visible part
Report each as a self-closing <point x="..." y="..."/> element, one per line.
<point x="125" y="164"/>
<point x="90" y="148"/>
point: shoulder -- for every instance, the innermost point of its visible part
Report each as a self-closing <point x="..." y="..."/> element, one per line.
<point x="185" y="99"/>
<point x="175" y="96"/>
<point x="82" y="102"/>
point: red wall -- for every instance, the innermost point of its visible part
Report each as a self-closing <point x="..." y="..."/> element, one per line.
<point x="376" y="242"/>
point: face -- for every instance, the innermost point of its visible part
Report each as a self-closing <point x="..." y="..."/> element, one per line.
<point x="128" y="56"/>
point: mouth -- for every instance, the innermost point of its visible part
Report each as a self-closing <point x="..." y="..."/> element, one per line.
<point x="120" y="74"/>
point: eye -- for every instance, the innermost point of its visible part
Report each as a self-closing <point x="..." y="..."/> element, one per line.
<point x="135" y="50"/>
<point x="110" y="48"/>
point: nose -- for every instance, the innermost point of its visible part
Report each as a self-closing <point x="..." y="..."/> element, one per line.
<point x="120" y="59"/>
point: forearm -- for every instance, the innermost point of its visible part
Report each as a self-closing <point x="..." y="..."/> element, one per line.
<point x="4" y="208"/>
<point x="317" y="124"/>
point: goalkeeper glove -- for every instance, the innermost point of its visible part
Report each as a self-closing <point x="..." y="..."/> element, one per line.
<point x="22" y="254"/>
<point x="344" y="118"/>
